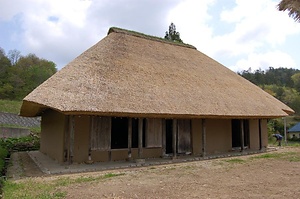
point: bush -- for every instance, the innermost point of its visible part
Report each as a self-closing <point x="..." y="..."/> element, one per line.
<point x="3" y="155"/>
<point x="294" y="139"/>
<point x="27" y="143"/>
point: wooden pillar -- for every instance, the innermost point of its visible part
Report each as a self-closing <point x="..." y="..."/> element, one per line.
<point x="67" y="139"/>
<point x="140" y="151"/>
<point x="129" y="137"/>
<point x="90" y="138"/>
<point x="259" y="134"/>
<point x="174" y="138"/>
<point x="164" y="137"/>
<point x="203" y="138"/>
<point x="72" y="132"/>
<point x="242" y="134"/>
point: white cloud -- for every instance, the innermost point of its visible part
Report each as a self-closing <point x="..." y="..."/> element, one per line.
<point x="263" y="61"/>
<point x="190" y="18"/>
<point x="59" y="30"/>
<point x="257" y="24"/>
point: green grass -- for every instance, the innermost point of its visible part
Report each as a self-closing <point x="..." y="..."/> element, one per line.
<point x="235" y="160"/>
<point x="289" y="156"/>
<point x="50" y="189"/>
<point x="110" y="175"/>
<point x="269" y="155"/>
<point x="9" y="106"/>
<point x="293" y="143"/>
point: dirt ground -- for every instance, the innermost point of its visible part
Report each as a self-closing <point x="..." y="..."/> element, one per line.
<point x="242" y="177"/>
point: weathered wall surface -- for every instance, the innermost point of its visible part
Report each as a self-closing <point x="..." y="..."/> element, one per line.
<point x="81" y="138"/>
<point x="218" y="135"/>
<point x="9" y="132"/>
<point x="254" y="134"/>
<point x="52" y="134"/>
<point x="197" y="136"/>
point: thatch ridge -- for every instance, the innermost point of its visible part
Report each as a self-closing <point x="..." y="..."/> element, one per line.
<point x="142" y="35"/>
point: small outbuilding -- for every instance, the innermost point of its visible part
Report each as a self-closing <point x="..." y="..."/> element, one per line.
<point x="294" y="132"/>
<point x="133" y="96"/>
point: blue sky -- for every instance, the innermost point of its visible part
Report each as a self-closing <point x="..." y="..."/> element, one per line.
<point x="237" y="33"/>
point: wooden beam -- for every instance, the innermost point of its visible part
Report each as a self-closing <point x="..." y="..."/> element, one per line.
<point x="72" y="132"/>
<point x="129" y="137"/>
<point x="164" y="137"/>
<point x="259" y="134"/>
<point x="140" y="143"/>
<point x="203" y="137"/>
<point x="174" y="138"/>
<point x="242" y="134"/>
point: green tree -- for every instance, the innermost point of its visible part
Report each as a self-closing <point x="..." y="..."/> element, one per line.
<point x="296" y="80"/>
<point x="5" y="64"/>
<point x="292" y="6"/>
<point x="19" y="75"/>
<point x="172" y="34"/>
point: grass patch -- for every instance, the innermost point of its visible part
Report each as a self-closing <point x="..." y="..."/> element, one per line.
<point x="51" y="189"/>
<point x="9" y="106"/>
<point x="235" y="160"/>
<point x="289" y="156"/>
<point x="293" y="143"/>
<point x="31" y="189"/>
<point x="268" y="155"/>
<point x="110" y="175"/>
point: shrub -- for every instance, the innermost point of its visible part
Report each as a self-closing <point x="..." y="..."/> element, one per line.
<point x="3" y="155"/>
<point x="27" y="143"/>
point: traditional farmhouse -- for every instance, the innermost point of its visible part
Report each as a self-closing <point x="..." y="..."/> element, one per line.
<point x="134" y="96"/>
<point x="294" y="132"/>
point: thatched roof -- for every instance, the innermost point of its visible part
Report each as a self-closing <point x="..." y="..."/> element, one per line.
<point x="131" y="74"/>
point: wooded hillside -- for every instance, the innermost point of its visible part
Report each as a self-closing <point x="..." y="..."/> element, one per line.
<point x="282" y="83"/>
<point x="19" y="75"/>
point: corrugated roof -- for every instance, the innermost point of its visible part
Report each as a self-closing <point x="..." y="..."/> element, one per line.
<point x="295" y="128"/>
<point x="131" y="74"/>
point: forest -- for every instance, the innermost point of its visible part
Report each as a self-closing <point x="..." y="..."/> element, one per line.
<point x="19" y="74"/>
<point x="282" y="83"/>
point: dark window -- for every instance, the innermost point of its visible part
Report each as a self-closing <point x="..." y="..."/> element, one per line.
<point x="119" y="133"/>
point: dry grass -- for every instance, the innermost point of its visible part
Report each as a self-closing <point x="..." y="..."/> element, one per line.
<point x="137" y="76"/>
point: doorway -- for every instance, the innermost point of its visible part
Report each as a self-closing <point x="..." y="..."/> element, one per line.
<point x="119" y="133"/>
<point x="169" y="130"/>
<point x="236" y="133"/>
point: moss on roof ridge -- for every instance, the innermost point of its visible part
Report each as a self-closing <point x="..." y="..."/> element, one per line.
<point x="150" y="37"/>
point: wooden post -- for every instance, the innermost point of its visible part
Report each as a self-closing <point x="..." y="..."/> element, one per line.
<point x="174" y="138"/>
<point x="72" y="130"/>
<point x="66" y="139"/>
<point x="90" y="139"/>
<point x="140" y="151"/>
<point x="242" y="134"/>
<point x="259" y="134"/>
<point x="163" y="137"/>
<point x="203" y="138"/>
<point x="129" y="137"/>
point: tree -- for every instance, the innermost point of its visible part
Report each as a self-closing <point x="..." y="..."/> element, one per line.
<point x="296" y="80"/>
<point x="292" y="6"/>
<point x="14" y="56"/>
<point x="19" y="75"/>
<point x="172" y="34"/>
